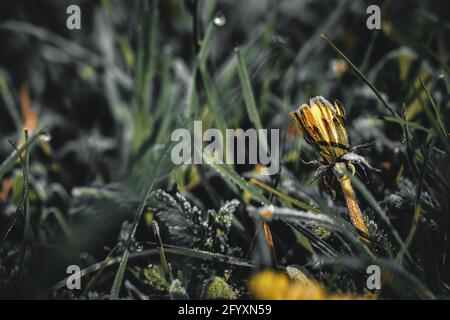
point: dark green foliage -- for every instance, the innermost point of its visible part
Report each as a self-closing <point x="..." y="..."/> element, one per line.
<point x="190" y="227"/>
<point x="100" y="189"/>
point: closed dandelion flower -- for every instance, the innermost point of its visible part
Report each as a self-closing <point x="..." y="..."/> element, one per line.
<point x="323" y="125"/>
<point x="324" y="128"/>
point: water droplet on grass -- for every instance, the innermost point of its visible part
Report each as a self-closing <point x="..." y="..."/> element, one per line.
<point x="220" y="20"/>
<point x="45" y="137"/>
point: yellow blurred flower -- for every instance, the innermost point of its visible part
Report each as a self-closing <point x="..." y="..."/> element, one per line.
<point x="275" y="285"/>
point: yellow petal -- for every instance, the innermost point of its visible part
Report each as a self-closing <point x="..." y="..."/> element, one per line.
<point x="324" y="128"/>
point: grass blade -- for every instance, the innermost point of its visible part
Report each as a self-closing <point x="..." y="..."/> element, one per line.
<point x="13" y="157"/>
<point x="205" y="46"/>
<point x="118" y="279"/>
<point x="285" y="197"/>
<point x="213" y="99"/>
<point x="9" y="102"/>
<point x="333" y="223"/>
<point x="104" y="264"/>
<point x="124" y="260"/>
<point x="436" y="120"/>
<point x="202" y="55"/>
<point x="206" y="255"/>
<point x="100" y="271"/>
<point x="307" y="216"/>
<point x="228" y="173"/>
<point x="362" y="76"/>
<point x="417" y="206"/>
<point x="145" y="71"/>
<point x="28" y="237"/>
<point x="162" y="256"/>
<point x="408" y="123"/>
<point x="249" y="97"/>
<point x="374" y="204"/>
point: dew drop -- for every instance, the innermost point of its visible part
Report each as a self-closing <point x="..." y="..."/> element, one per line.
<point x="279" y="40"/>
<point x="267" y="211"/>
<point x="45" y="137"/>
<point x="220" y="20"/>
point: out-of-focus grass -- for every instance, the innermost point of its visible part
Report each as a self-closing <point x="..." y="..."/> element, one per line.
<point x="137" y="72"/>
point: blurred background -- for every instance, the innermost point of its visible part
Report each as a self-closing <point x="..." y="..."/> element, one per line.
<point x="100" y="105"/>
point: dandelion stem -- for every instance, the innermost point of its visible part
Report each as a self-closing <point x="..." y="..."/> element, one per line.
<point x="270" y="244"/>
<point x="352" y="205"/>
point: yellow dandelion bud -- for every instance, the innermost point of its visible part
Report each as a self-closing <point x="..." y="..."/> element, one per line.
<point x="324" y="128"/>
